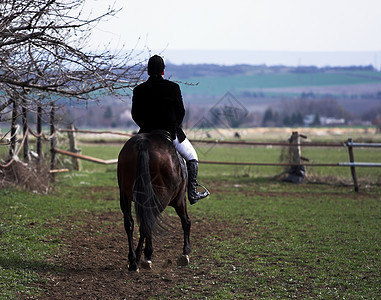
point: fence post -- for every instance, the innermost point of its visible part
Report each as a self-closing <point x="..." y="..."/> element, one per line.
<point x="295" y="140"/>
<point x="73" y="148"/>
<point x="52" y="138"/>
<point x="25" y="127"/>
<point x="13" y="128"/>
<point x="296" y="173"/>
<point x="352" y="160"/>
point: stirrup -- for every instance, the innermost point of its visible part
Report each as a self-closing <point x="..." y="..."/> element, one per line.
<point x="205" y="192"/>
<point x="205" y="189"/>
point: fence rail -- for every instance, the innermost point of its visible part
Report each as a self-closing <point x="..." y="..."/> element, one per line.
<point x="364" y="145"/>
<point x="349" y="144"/>
<point x="85" y="157"/>
<point x="339" y="164"/>
<point x="283" y="144"/>
<point x="96" y="132"/>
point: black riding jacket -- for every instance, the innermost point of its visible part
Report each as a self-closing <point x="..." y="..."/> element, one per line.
<point x="158" y="104"/>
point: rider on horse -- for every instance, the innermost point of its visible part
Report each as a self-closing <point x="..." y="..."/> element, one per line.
<point x="157" y="105"/>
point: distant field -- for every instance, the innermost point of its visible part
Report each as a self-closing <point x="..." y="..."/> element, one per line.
<point x="284" y="82"/>
<point x="314" y="134"/>
<point x="338" y="90"/>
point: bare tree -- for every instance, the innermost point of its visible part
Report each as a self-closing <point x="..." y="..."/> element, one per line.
<point x="42" y="55"/>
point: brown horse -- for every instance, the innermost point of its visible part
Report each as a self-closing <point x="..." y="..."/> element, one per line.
<point x="150" y="174"/>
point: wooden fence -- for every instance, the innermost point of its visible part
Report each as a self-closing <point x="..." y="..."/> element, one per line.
<point x="295" y="142"/>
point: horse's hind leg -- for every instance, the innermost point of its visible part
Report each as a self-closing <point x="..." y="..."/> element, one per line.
<point x="186" y="224"/>
<point x="148" y="250"/>
<point x="129" y="227"/>
<point x="139" y="248"/>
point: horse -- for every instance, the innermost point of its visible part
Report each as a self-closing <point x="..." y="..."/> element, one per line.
<point x="150" y="175"/>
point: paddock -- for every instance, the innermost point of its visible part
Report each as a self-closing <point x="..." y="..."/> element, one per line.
<point x="264" y="237"/>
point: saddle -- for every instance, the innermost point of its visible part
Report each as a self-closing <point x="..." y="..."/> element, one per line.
<point x="163" y="133"/>
<point x="168" y="137"/>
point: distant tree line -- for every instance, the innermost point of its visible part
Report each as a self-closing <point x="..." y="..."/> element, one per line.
<point x="116" y="114"/>
<point x="293" y="113"/>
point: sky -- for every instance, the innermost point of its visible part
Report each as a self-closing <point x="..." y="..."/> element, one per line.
<point x="242" y="26"/>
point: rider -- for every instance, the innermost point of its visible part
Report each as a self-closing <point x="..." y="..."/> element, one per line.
<point x="157" y="104"/>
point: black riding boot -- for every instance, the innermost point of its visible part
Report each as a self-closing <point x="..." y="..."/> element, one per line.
<point x="193" y="194"/>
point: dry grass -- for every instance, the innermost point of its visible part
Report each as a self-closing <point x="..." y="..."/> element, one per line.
<point x="32" y="177"/>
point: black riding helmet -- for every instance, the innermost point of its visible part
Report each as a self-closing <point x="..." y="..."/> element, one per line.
<point x="155" y="65"/>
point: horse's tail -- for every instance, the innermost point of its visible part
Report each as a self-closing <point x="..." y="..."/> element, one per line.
<point x="147" y="205"/>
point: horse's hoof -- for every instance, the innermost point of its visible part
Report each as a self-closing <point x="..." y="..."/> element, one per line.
<point x="183" y="261"/>
<point x="146" y="264"/>
<point x="133" y="269"/>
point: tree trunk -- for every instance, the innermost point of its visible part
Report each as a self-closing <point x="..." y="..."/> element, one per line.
<point x="13" y="129"/>
<point x="39" y="132"/>
<point x="52" y="138"/>
<point x="25" y="127"/>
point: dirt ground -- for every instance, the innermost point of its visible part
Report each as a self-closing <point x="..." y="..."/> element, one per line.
<point x="92" y="263"/>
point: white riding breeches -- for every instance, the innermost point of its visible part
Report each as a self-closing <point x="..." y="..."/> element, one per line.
<point x="185" y="149"/>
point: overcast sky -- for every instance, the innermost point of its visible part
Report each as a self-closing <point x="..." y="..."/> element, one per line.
<point x="261" y="25"/>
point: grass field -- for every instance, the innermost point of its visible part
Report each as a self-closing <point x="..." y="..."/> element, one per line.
<point x="256" y="82"/>
<point x="270" y="239"/>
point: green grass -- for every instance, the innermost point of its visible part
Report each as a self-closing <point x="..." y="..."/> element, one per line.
<point x="220" y="85"/>
<point x="279" y="240"/>
<point x="295" y="241"/>
<point x="27" y="236"/>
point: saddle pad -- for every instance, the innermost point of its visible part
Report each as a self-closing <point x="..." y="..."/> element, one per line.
<point x="184" y="171"/>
